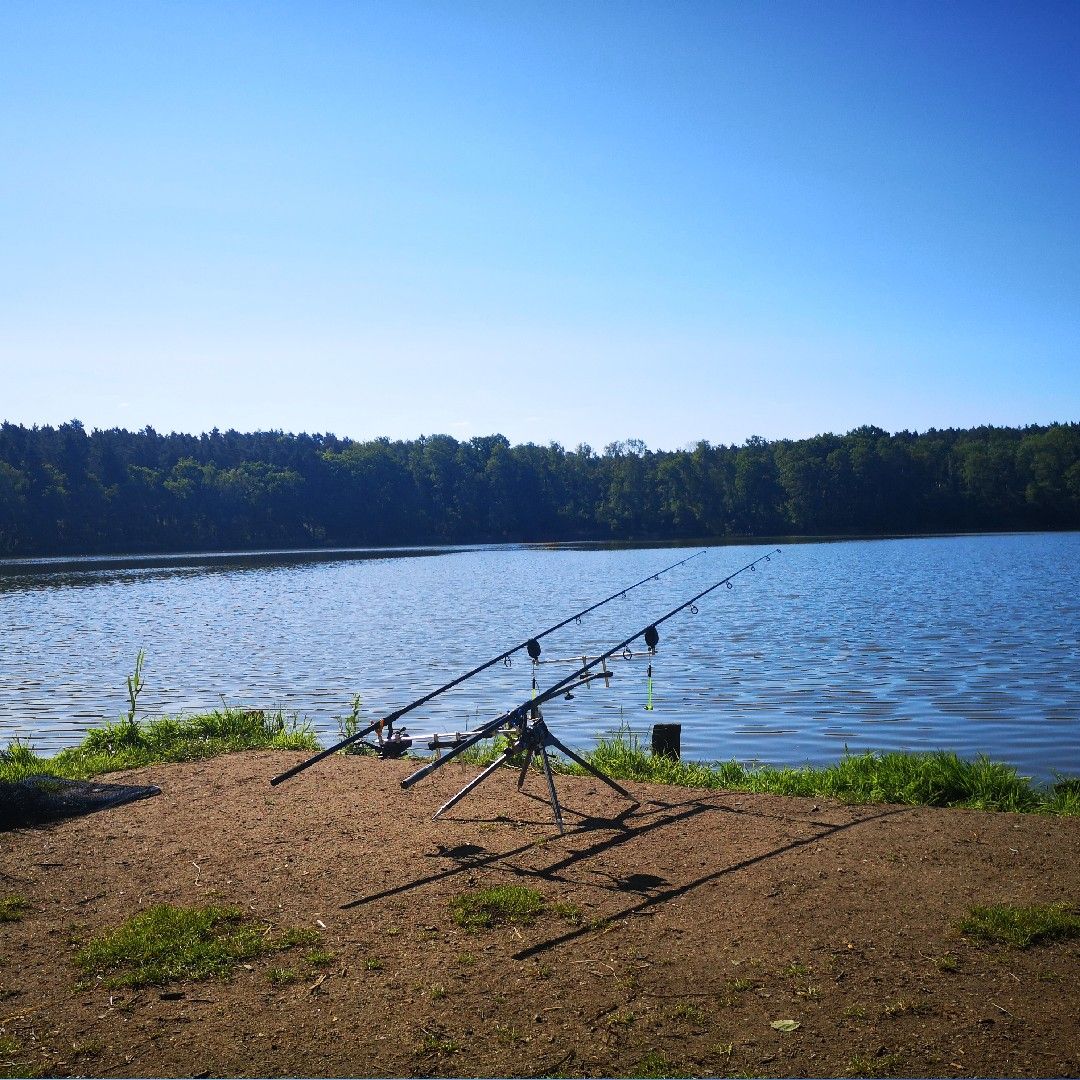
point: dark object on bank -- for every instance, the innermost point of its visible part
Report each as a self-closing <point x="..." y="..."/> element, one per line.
<point x="667" y="740"/>
<point x="37" y="800"/>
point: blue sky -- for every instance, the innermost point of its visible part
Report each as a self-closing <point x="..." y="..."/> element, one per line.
<point x="578" y="222"/>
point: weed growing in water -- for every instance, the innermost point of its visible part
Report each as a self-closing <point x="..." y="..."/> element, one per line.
<point x="1021" y="925"/>
<point x="135" y="686"/>
<point x="167" y="943"/>
<point x="348" y="726"/>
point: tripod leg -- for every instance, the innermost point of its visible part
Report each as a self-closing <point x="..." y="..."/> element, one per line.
<point x="476" y="781"/>
<point x="556" y="808"/>
<point x="525" y="768"/>
<point x="592" y="769"/>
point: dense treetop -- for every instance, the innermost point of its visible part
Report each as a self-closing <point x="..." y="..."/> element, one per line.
<point x="65" y="490"/>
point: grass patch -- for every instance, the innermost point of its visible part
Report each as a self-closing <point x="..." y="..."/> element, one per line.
<point x="10" y="1066"/>
<point x="570" y="912"/>
<point x="877" y="1066"/>
<point x="690" y="1012"/>
<point x="1021" y="925"/>
<point x="13" y="908"/>
<point x="655" y="1064"/>
<point x="907" y="1007"/>
<point x="938" y="778"/>
<point x="485" y="908"/>
<point x="126" y="745"/>
<point x="438" y="1044"/>
<point x="165" y="944"/>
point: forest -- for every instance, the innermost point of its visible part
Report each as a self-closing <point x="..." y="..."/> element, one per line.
<point x="64" y="490"/>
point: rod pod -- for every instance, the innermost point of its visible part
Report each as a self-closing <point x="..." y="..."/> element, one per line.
<point x="530" y="644"/>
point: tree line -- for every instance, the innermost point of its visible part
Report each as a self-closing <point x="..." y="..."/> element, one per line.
<point x="64" y="490"/>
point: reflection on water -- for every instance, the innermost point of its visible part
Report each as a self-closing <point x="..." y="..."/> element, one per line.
<point x="968" y="643"/>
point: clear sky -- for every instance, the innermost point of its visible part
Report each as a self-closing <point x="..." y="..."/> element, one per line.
<point x="578" y="221"/>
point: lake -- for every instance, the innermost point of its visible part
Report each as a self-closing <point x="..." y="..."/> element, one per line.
<point x="963" y="643"/>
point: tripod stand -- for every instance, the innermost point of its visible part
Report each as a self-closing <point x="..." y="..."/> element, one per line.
<point x="534" y="739"/>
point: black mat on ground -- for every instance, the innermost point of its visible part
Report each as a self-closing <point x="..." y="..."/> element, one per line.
<point x="36" y="800"/>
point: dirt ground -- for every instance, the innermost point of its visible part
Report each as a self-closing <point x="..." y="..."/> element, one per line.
<point x="704" y="918"/>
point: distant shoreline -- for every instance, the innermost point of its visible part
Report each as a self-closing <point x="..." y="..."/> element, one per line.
<point x="123" y="559"/>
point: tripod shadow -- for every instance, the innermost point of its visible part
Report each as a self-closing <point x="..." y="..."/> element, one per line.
<point x="469" y="857"/>
<point x="674" y="893"/>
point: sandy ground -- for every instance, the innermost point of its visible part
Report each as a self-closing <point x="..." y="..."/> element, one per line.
<point x="704" y="918"/>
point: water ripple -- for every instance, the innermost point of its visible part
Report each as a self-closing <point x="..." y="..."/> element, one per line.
<point x="966" y="643"/>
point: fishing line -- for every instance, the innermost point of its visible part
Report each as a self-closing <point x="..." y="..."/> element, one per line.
<point x="531" y="645"/>
<point x="519" y="716"/>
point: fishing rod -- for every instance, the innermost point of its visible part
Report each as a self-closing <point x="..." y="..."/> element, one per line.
<point x="519" y="716"/>
<point x="532" y="645"/>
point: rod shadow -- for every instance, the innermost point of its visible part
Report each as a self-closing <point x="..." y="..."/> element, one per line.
<point x="658" y="815"/>
<point x="681" y="890"/>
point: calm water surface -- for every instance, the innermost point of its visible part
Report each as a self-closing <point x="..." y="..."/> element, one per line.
<point x="964" y="643"/>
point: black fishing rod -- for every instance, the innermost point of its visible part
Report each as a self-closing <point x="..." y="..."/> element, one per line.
<point x="518" y="716"/>
<point x="532" y="645"/>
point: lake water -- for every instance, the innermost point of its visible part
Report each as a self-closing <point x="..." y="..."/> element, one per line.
<point x="964" y="643"/>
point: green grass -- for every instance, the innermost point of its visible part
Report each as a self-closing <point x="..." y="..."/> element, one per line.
<point x="126" y="745"/>
<point x="873" y="1067"/>
<point x="1021" y="925"/>
<point x="13" y="908"/>
<point x="655" y="1064"/>
<point x="10" y="1067"/>
<point x="166" y="943"/>
<point x="938" y="778"/>
<point x="485" y="908"/>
